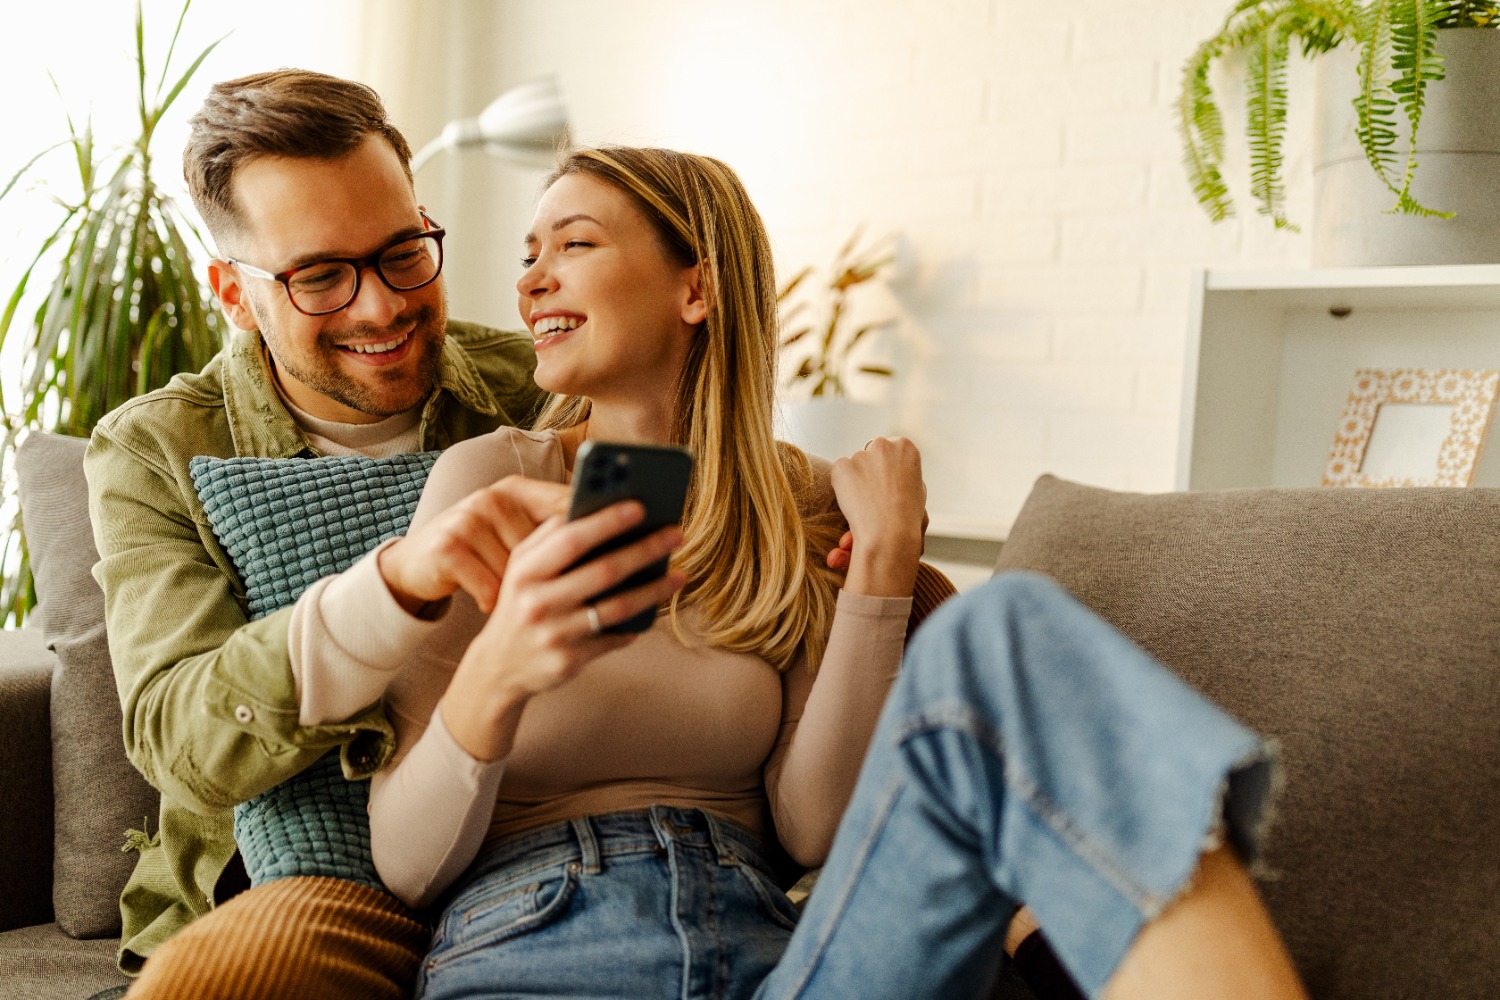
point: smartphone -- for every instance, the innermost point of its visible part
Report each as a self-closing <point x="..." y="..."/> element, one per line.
<point x="657" y="476"/>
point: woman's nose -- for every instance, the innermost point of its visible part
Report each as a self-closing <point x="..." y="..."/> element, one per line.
<point x="535" y="280"/>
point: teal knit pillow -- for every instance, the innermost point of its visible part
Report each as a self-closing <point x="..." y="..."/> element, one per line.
<point x="285" y="523"/>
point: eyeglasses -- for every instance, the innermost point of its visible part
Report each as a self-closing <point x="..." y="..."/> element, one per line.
<point x="326" y="286"/>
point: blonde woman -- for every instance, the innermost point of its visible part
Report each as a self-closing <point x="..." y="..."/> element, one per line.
<point x="597" y="815"/>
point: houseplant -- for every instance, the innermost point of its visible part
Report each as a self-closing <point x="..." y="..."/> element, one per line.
<point x="109" y="306"/>
<point x="1396" y="49"/>
<point x="819" y="338"/>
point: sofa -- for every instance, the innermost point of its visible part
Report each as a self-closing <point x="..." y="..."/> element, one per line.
<point x="1360" y="629"/>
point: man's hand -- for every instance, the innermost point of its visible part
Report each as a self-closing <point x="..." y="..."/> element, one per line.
<point x="467" y="546"/>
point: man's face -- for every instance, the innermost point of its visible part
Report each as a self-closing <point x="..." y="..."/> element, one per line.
<point x="377" y="357"/>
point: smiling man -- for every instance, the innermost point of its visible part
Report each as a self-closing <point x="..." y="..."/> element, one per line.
<point x="332" y="274"/>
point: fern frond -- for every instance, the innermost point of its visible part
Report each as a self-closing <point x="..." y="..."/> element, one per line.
<point x="1323" y="25"/>
<point x="1265" y="108"/>
<point x="1200" y="123"/>
<point x="1407" y="205"/>
<point x="1201" y="126"/>
<point x="1374" y="101"/>
<point x="1415" y="63"/>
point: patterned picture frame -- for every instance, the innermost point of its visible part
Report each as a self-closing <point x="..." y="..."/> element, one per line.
<point x="1468" y="393"/>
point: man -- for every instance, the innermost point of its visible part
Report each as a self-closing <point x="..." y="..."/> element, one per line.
<point x="332" y="274"/>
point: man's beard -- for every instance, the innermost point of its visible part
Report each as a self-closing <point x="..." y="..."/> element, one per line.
<point x="428" y="329"/>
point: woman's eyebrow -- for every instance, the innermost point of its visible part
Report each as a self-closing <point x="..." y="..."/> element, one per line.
<point x="531" y="239"/>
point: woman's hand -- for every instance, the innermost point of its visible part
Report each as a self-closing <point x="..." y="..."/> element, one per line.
<point x="468" y="545"/>
<point x="881" y="494"/>
<point x="545" y="627"/>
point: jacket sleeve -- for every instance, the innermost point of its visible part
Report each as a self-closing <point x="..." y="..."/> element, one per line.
<point x="210" y="703"/>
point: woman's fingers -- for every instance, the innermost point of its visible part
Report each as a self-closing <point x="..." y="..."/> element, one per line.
<point x="581" y="584"/>
<point x="549" y="580"/>
<point x="627" y="604"/>
<point x="468" y="545"/>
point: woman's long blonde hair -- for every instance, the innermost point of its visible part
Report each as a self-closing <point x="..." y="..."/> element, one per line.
<point x="752" y="550"/>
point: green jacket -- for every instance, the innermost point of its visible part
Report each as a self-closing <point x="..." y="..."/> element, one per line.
<point x="209" y="700"/>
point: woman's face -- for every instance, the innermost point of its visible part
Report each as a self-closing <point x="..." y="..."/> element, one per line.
<point x="610" y="313"/>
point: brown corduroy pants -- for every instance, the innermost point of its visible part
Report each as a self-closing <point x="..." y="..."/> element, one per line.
<point x="294" y="937"/>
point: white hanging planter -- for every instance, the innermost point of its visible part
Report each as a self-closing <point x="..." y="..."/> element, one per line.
<point x="1458" y="157"/>
<point x="832" y="426"/>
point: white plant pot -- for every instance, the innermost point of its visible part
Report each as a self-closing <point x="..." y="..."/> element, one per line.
<point x="832" y="427"/>
<point x="1458" y="165"/>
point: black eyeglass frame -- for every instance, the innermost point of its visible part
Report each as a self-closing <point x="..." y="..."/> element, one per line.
<point x="360" y="265"/>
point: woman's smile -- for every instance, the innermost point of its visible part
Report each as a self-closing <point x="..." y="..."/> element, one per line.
<point x="551" y="327"/>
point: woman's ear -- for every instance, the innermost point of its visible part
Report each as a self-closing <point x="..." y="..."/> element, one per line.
<point x="695" y="304"/>
<point x="231" y="294"/>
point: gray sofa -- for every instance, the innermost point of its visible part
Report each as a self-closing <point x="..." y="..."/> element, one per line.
<point x="1360" y="628"/>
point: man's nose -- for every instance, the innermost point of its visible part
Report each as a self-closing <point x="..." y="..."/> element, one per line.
<point x="375" y="301"/>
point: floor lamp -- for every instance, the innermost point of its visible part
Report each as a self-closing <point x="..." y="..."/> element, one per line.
<point x="527" y="124"/>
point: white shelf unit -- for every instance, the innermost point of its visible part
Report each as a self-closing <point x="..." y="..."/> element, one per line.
<point x="1271" y="357"/>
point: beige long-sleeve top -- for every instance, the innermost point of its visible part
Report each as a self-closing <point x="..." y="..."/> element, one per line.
<point x="654" y="723"/>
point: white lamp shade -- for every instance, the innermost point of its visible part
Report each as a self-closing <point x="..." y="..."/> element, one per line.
<point x="525" y="124"/>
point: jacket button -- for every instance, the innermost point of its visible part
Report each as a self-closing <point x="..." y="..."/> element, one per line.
<point x="244" y="714"/>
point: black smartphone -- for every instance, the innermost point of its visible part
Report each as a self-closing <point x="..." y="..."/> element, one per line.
<point x="657" y="476"/>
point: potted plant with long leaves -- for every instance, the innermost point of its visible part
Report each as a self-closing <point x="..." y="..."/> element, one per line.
<point x="109" y="306"/>
<point x="1401" y="52"/>
<point x="819" y="344"/>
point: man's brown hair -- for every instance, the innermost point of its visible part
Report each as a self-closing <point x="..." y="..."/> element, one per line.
<point x="289" y="112"/>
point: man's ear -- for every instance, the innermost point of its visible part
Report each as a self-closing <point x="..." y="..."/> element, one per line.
<point x="231" y="294"/>
<point x="695" y="304"/>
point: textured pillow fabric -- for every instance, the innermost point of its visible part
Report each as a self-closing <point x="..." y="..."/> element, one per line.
<point x="1361" y="630"/>
<point x="98" y="793"/>
<point x="285" y="523"/>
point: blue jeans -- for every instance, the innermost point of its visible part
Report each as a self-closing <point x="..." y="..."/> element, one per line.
<point x="1027" y="752"/>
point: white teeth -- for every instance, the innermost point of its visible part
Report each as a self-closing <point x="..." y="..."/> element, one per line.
<point x="555" y="324"/>
<point x="389" y="345"/>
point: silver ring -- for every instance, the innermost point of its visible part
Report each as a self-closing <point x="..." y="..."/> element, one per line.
<point x="595" y="626"/>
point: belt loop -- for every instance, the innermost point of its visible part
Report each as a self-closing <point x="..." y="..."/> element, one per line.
<point x="588" y="845"/>
<point x="727" y="857"/>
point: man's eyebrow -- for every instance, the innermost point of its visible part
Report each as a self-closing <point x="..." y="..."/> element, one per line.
<point x="531" y="238"/>
<point x="302" y="260"/>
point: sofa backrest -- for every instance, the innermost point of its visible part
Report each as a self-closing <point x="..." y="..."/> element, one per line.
<point x="97" y="793"/>
<point x="1361" y="630"/>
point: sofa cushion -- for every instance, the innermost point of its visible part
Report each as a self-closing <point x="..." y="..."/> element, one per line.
<point x="26" y="668"/>
<point x="1361" y="630"/>
<point x="98" y="793"/>
<point x="285" y="523"/>
<point x="42" y="963"/>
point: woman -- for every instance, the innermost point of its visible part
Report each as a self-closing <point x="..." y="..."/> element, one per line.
<point x="597" y="812"/>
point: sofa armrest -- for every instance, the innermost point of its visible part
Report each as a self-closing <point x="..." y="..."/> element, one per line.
<point x="25" y="778"/>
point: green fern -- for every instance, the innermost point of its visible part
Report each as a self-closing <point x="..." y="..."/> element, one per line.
<point x="1395" y="43"/>
<point x="1265" y="109"/>
<point x="1201" y="125"/>
<point x="1375" y="101"/>
<point x="1415" y="63"/>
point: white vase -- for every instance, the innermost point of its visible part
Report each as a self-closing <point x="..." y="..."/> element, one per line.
<point x="834" y="426"/>
<point x="1458" y="165"/>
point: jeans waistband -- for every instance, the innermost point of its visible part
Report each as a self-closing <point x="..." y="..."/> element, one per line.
<point x="593" y="840"/>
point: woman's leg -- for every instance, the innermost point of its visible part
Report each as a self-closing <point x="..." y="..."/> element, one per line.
<point x="1216" y="940"/>
<point x="1028" y="751"/>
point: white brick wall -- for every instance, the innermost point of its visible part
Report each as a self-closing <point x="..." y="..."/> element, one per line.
<point x="1026" y="155"/>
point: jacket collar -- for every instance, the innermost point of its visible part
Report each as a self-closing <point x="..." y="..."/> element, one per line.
<point x="260" y="424"/>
